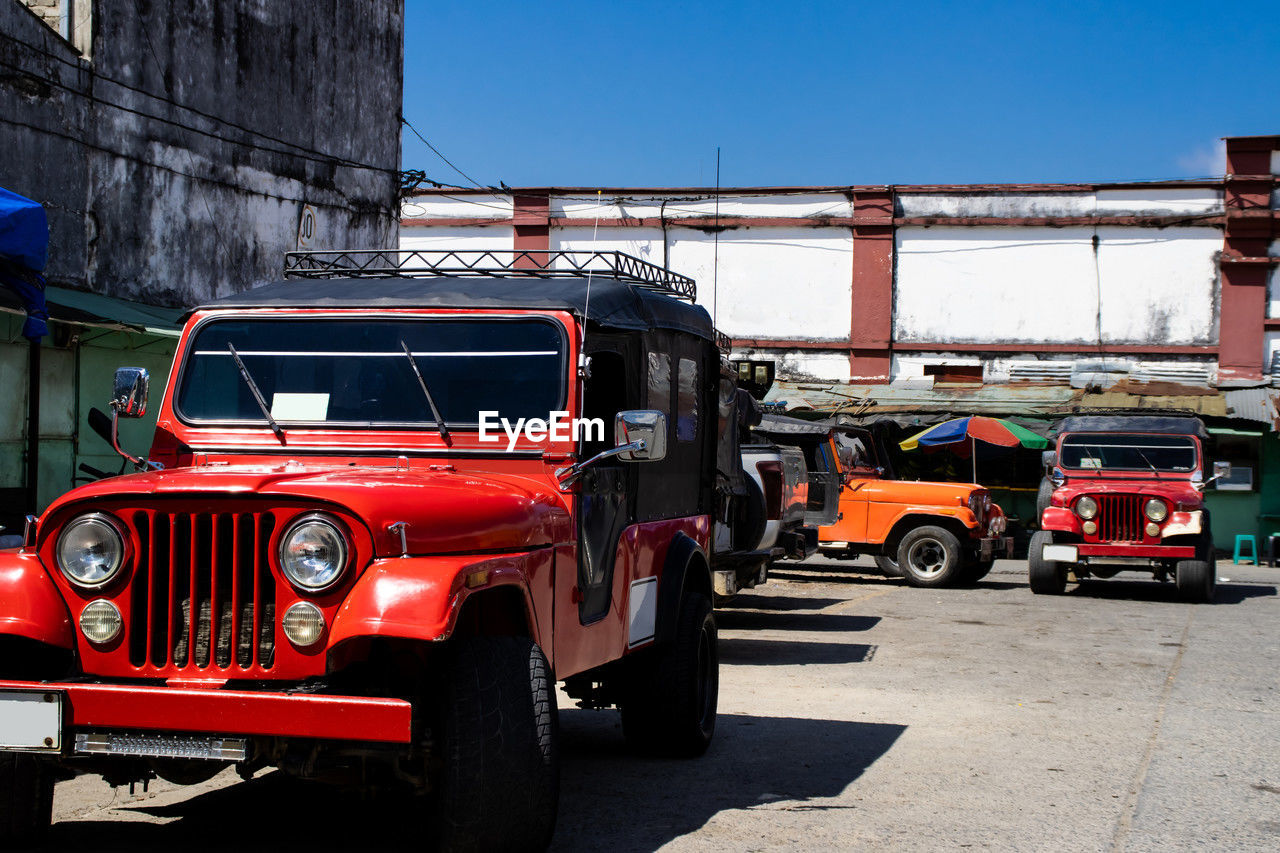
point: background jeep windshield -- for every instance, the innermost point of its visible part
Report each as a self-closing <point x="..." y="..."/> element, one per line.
<point x="356" y="372"/>
<point x="1118" y="452"/>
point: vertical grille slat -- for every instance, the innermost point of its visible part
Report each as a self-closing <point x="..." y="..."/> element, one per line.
<point x="204" y="595"/>
<point x="1121" y="518"/>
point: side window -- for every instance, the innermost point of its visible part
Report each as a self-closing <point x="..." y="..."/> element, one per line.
<point x="659" y="391"/>
<point x="603" y="397"/>
<point x="687" y="401"/>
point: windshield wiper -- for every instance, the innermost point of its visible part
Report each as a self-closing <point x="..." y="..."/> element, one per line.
<point x="1154" y="471"/>
<point x="426" y="392"/>
<point x="257" y="395"/>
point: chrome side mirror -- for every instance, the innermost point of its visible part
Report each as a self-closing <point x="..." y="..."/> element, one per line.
<point x="129" y="400"/>
<point x="640" y="435"/>
<point x="1221" y="470"/>
<point x="1049" y="458"/>
<point x="643" y="434"/>
<point x="129" y="396"/>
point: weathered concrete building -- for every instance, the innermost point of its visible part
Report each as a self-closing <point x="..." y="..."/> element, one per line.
<point x="180" y="149"/>
<point x="931" y="300"/>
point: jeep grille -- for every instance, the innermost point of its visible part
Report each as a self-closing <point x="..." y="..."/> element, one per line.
<point x="203" y="593"/>
<point x="1120" y="518"/>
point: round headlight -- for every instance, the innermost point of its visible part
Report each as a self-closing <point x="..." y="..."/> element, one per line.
<point x="313" y="553"/>
<point x="100" y="621"/>
<point x="1086" y="507"/>
<point x="91" y="550"/>
<point x="1157" y="510"/>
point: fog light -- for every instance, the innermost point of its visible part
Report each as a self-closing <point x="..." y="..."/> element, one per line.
<point x="1153" y="530"/>
<point x="100" y="621"/>
<point x="1089" y="527"/>
<point x="303" y="624"/>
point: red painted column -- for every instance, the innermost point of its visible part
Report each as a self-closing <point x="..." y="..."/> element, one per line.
<point x="531" y="221"/>
<point x="871" y="324"/>
<point x="1246" y="239"/>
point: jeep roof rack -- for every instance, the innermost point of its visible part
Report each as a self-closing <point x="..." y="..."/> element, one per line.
<point x="487" y="263"/>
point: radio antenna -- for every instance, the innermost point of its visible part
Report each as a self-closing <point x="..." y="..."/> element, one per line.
<point x="715" y="263"/>
<point x="586" y="305"/>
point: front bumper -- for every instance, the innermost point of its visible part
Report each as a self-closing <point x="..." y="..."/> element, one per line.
<point x="1104" y="552"/>
<point x="990" y="547"/>
<point x="119" y="707"/>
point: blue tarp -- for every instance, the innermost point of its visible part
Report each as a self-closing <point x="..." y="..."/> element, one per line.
<point x="24" y="250"/>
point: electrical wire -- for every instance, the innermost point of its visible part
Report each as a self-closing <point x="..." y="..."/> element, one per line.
<point x="145" y="162"/>
<point x="436" y="151"/>
<point x="76" y="65"/>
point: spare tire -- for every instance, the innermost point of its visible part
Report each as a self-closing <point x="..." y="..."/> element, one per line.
<point x="1043" y="498"/>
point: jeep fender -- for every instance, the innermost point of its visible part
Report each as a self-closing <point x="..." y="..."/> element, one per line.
<point x="685" y="567"/>
<point x="960" y="518"/>
<point x="419" y="598"/>
<point x="1060" y="519"/>
<point x="30" y="605"/>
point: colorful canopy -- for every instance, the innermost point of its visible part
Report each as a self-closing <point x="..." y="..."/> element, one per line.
<point x="989" y="430"/>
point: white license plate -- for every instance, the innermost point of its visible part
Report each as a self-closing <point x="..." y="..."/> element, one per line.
<point x="30" y="720"/>
<point x="1060" y="553"/>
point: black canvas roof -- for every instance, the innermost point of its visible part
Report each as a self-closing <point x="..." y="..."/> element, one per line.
<point x="614" y="304"/>
<point x="1131" y="423"/>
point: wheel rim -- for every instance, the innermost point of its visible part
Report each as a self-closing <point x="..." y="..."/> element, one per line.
<point x="927" y="558"/>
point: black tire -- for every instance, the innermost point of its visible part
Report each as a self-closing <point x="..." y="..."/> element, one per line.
<point x="930" y="557"/>
<point x="671" y="692"/>
<point x="1197" y="580"/>
<point x="1047" y="577"/>
<point x="978" y="569"/>
<point x="498" y="778"/>
<point x="26" y="800"/>
<point x="888" y="565"/>
<point x="1043" y="497"/>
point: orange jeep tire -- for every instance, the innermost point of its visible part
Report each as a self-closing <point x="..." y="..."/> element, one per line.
<point x="930" y="556"/>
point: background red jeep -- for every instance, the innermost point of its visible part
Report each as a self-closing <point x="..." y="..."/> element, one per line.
<point x="1126" y="495"/>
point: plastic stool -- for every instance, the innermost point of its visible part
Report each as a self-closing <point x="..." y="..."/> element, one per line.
<point x="1252" y="542"/>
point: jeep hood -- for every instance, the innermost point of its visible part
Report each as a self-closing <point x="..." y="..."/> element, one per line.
<point x="1178" y="491"/>
<point x="916" y="492"/>
<point x="446" y="511"/>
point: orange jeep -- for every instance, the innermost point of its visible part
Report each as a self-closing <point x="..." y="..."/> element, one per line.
<point x="931" y="534"/>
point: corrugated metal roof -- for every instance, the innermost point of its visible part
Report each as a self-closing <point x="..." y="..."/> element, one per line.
<point x="839" y="397"/>
<point x="925" y="405"/>
<point x="1255" y="404"/>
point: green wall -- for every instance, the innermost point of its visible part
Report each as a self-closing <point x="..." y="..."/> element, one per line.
<point x="77" y="364"/>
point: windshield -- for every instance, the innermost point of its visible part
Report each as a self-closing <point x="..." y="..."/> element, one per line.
<point x="1120" y="452"/>
<point x="355" y="371"/>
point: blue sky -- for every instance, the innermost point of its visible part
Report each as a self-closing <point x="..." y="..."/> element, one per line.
<point x="798" y="93"/>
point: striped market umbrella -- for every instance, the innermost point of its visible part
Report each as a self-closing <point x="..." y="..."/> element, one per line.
<point x="966" y="431"/>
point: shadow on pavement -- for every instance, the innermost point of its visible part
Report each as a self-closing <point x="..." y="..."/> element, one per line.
<point x="759" y="652"/>
<point x="756" y="620"/>
<point x="854" y="575"/>
<point x="748" y="601"/>
<point x="613" y="800"/>
<point x="1136" y="590"/>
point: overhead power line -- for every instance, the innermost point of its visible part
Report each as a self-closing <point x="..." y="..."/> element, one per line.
<point x="314" y="154"/>
<point x="449" y="162"/>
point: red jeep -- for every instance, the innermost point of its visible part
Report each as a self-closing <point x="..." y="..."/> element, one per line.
<point x="376" y="526"/>
<point x="1126" y="494"/>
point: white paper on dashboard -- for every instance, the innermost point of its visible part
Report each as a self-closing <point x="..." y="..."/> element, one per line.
<point x="300" y="407"/>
